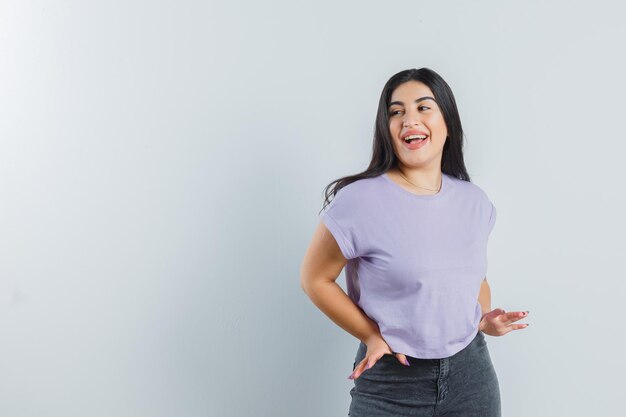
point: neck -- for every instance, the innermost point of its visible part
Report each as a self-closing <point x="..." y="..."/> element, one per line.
<point x="424" y="177"/>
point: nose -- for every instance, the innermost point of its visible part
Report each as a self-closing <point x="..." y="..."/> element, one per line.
<point x="410" y="120"/>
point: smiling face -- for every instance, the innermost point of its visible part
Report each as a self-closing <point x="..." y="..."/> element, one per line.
<point x="413" y="110"/>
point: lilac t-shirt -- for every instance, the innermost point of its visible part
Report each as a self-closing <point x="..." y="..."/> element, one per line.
<point x="415" y="262"/>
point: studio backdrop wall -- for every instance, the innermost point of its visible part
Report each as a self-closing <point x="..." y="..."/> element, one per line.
<point x="161" y="171"/>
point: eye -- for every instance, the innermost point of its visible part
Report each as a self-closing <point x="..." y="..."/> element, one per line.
<point x="425" y="107"/>
<point x="394" y="112"/>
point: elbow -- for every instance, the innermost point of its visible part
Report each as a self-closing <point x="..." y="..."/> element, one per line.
<point x="303" y="285"/>
<point x="303" y="279"/>
<point x="306" y="281"/>
<point x="309" y="284"/>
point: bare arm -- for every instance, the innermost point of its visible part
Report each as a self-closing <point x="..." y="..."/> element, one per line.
<point x="484" y="297"/>
<point x="320" y="269"/>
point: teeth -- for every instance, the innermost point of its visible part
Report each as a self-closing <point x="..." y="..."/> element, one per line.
<point x="408" y="138"/>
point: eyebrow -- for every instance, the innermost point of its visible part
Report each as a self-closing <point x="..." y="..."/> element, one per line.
<point x="416" y="101"/>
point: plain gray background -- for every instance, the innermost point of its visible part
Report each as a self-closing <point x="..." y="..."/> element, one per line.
<point x="162" y="166"/>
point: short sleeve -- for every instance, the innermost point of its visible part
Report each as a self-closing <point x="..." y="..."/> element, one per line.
<point x="492" y="219"/>
<point x="340" y="217"/>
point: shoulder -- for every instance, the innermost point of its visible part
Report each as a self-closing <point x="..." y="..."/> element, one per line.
<point x="354" y="199"/>
<point x="474" y="197"/>
<point x="361" y="189"/>
<point x="470" y="189"/>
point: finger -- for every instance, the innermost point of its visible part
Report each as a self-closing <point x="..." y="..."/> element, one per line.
<point x="356" y="369"/>
<point x="360" y="368"/>
<point x="402" y="358"/>
<point x="509" y="328"/>
<point x="365" y="364"/>
<point x="513" y="316"/>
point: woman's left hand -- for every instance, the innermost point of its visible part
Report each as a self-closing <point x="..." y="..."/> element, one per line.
<point x="497" y="322"/>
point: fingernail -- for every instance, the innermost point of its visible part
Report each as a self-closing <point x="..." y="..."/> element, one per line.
<point x="406" y="361"/>
<point x="368" y="366"/>
<point x="351" y="376"/>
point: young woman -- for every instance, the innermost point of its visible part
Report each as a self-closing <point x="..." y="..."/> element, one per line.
<point x="412" y="232"/>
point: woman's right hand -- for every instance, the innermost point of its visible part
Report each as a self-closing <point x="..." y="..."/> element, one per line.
<point x="376" y="349"/>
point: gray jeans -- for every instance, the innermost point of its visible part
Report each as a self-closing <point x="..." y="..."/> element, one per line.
<point x="462" y="385"/>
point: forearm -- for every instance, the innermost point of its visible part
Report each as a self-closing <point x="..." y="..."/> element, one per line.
<point x="329" y="297"/>
<point x="484" y="298"/>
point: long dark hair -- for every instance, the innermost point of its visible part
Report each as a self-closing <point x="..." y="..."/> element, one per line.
<point x="383" y="156"/>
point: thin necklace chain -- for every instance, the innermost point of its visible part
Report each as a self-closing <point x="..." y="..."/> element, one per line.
<point x="429" y="189"/>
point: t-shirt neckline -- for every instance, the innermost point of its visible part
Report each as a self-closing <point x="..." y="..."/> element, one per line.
<point x="442" y="191"/>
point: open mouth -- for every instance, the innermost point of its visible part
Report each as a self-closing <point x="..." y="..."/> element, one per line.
<point x="415" y="138"/>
